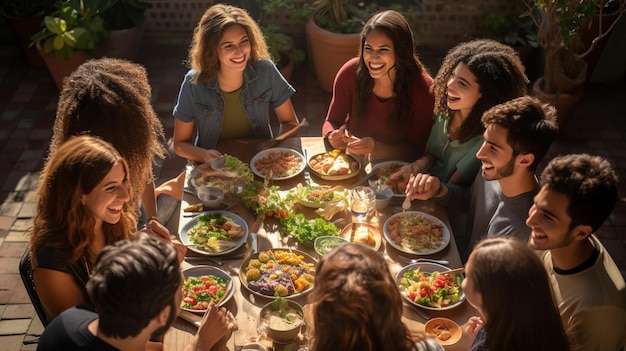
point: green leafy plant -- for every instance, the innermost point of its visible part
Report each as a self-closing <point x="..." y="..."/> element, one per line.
<point x="76" y="25"/>
<point x="510" y="30"/>
<point x="342" y="16"/>
<point x="279" y="43"/>
<point x="280" y="304"/>
<point x="558" y="24"/>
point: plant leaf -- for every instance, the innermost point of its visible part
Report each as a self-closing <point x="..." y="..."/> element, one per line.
<point x="58" y="42"/>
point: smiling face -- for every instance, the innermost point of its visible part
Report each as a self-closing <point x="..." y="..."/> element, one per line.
<point x="379" y="55"/>
<point x="549" y="221"/>
<point x="463" y="89"/>
<point x="234" y="49"/>
<point x="496" y="155"/>
<point x="106" y="200"/>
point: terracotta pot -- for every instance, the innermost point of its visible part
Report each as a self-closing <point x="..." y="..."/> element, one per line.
<point x="24" y="28"/>
<point x="571" y="72"/>
<point x="60" y="69"/>
<point x="564" y="103"/>
<point x="124" y="43"/>
<point x="329" y="51"/>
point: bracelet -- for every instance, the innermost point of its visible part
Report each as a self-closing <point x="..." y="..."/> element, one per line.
<point x="439" y="191"/>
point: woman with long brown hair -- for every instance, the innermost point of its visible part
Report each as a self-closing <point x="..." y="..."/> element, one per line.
<point x="381" y="105"/>
<point x="357" y="305"/>
<point x="83" y="204"/>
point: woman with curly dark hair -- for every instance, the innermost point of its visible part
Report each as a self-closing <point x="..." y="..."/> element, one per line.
<point x="381" y="105"/>
<point x="474" y="76"/>
<point x="82" y="205"/>
<point x="110" y="98"/>
<point x="352" y="286"/>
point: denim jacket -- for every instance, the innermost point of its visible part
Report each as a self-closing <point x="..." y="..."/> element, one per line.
<point x="202" y="103"/>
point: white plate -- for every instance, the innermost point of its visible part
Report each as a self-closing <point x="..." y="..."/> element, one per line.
<point x="264" y="153"/>
<point x="199" y="271"/>
<point x="445" y="239"/>
<point x="427" y="267"/>
<point x="387" y="164"/>
<point x="184" y="238"/>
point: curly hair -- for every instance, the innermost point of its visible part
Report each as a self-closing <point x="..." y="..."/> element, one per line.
<point x="110" y="98"/>
<point x="531" y="126"/>
<point x="498" y="70"/>
<point x="505" y="269"/>
<point x="61" y="221"/>
<point x="208" y="33"/>
<point x="408" y="66"/>
<point x="352" y="285"/>
<point x="590" y="184"/>
<point x="132" y="281"/>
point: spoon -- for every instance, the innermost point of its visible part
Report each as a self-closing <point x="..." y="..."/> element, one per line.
<point x="406" y="204"/>
<point x="415" y="260"/>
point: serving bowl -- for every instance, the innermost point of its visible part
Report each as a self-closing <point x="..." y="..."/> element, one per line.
<point x="210" y="196"/>
<point x="282" y="328"/>
<point x="324" y="244"/>
<point x="445" y="331"/>
<point x="410" y="279"/>
<point x="221" y="279"/>
<point x="354" y="166"/>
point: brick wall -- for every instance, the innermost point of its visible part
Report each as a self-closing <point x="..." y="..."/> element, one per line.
<point x="436" y="23"/>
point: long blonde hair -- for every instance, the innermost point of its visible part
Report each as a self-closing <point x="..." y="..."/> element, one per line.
<point x="208" y="33"/>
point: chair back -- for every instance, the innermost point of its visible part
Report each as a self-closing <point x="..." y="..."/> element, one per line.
<point x="26" y="272"/>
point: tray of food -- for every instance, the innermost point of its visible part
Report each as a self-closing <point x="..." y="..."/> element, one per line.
<point x="278" y="163"/>
<point x="284" y="272"/>
<point x="416" y="233"/>
<point x="214" y="233"/>
<point x="334" y="165"/>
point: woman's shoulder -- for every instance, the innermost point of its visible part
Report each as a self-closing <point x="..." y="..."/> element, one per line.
<point x="428" y="344"/>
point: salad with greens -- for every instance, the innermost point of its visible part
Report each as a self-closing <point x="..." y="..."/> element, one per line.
<point x="307" y="230"/>
<point x="434" y="289"/>
<point x="215" y="232"/>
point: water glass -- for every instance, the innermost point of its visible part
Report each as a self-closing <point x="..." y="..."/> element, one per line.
<point x="362" y="202"/>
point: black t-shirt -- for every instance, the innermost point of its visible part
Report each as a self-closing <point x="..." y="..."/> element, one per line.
<point x="69" y="332"/>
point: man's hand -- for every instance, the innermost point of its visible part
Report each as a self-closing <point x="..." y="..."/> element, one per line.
<point x="422" y="186"/>
<point x="215" y="324"/>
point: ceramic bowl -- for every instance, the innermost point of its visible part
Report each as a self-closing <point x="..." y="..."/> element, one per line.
<point x="211" y="196"/>
<point x="383" y="197"/>
<point x="323" y="244"/>
<point x="282" y="329"/>
<point x="445" y="331"/>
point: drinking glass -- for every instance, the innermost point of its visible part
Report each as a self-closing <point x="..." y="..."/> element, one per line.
<point x="362" y="202"/>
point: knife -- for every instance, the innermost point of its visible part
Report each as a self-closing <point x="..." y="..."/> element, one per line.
<point x="253" y="244"/>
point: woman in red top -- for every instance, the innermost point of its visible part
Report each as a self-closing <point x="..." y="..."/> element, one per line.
<point x="381" y="102"/>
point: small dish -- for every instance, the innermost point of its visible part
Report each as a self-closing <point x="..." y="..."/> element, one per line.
<point x="282" y="328"/>
<point x="211" y="196"/>
<point x="383" y="197"/>
<point x="445" y="331"/>
<point x="362" y="233"/>
<point x="323" y="244"/>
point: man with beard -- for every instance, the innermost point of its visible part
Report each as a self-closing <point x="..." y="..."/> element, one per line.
<point x="135" y="288"/>
<point x="518" y="133"/>
<point x="578" y="193"/>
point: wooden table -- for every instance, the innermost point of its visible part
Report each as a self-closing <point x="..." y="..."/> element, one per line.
<point x="246" y="306"/>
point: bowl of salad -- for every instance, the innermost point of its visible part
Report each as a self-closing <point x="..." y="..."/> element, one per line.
<point x="203" y="285"/>
<point x="425" y="285"/>
<point x="214" y="233"/>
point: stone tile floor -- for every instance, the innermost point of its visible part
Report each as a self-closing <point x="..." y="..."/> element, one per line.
<point x="27" y="108"/>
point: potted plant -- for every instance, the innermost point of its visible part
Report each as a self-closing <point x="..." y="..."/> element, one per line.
<point x="124" y="20"/>
<point x="332" y="34"/>
<point x="281" y="46"/>
<point x="24" y="18"/>
<point x="70" y="36"/>
<point x="559" y="23"/>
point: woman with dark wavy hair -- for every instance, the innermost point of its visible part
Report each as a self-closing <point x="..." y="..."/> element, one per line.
<point x="381" y="104"/>
<point x="83" y="204"/>
<point x="230" y="87"/>
<point x="356" y="304"/>
<point x="474" y="76"/>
